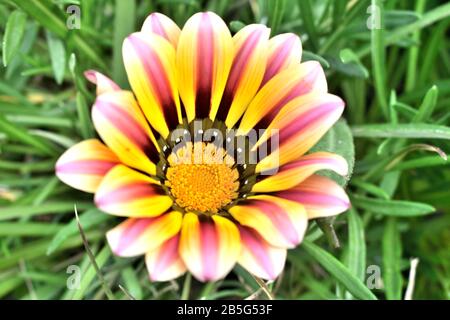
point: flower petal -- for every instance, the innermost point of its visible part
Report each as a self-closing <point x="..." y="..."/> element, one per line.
<point x="300" y="125"/>
<point x="204" y="56"/>
<point x="121" y="125"/>
<point x="150" y="64"/>
<point x="285" y="50"/>
<point x="135" y="237"/>
<point x="321" y="196"/>
<point x="293" y="173"/>
<point x="287" y="85"/>
<point x="128" y="193"/>
<point x="250" y="46"/>
<point x="259" y="257"/>
<point x="103" y="83"/>
<point x="209" y="248"/>
<point x="281" y="222"/>
<point x="163" y="26"/>
<point x="164" y="263"/>
<point x="85" y="164"/>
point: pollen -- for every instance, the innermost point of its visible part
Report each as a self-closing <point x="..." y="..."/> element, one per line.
<point x="201" y="178"/>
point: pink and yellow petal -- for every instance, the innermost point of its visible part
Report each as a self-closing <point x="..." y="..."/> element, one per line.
<point x="84" y="165"/>
<point x="247" y="71"/>
<point x="137" y="236"/>
<point x="321" y="196"/>
<point x="164" y="263"/>
<point x="289" y="84"/>
<point x="209" y="248"/>
<point x="103" y="83"/>
<point x="163" y="26"/>
<point x="128" y="193"/>
<point x="285" y="51"/>
<point x="259" y="257"/>
<point x="300" y="125"/>
<point x="295" y="172"/>
<point x="204" y="56"/>
<point x="122" y="126"/>
<point x="281" y="222"/>
<point x="150" y="64"/>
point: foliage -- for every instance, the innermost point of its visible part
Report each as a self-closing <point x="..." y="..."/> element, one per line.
<point x="395" y="80"/>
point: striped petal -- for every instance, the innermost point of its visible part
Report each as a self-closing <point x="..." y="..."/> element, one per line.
<point x="163" y="26"/>
<point x="281" y="222"/>
<point x="204" y="56"/>
<point x="295" y="172"/>
<point x="287" y="85"/>
<point x="247" y="71"/>
<point x="135" y="237"/>
<point x="321" y="196"/>
<point x="150" y="64"/>
<point x="209" y="248"/>
<point x="128" y="193"/>
<point x="85" y="164"/>
<point x="300" y="125"/>
<point x="164" y="263"/>
<point x="103" y="83"/>
<point x="121" y="125"/>
<point x="285" y="51"/>
<point x="259" y="257"/>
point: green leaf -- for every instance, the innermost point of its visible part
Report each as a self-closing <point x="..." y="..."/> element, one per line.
<point x="87" y="130"/>
<point x="356" y="245"/>
<point x="378" y="56"/>
<point x="409" y="130"/>
<point x="131" y="280"/>
<point x="124" y="24"/>
<point x="398" y="18"/>
<point x="18" y="133"/>
<point x="339" y="271"/>
<point x="12" y="39"/>
<point x="88" y="219"/>
<point x="370" y="188"/>
<point x="308" y="56"/>
<point x="347" y="56"/>
<point x="309" y="22"/>
<point x="392" y="252"/>
<point x="236" y="25"/>
<point x="28" y="229"/>
<point x="394" y="208"/>
<point x="57" y="53"/>
<point x="338" y="140"/>
<point x="275" y="12"/>
<point x="89" y="275"/>
<point x="20" y="211"/>
<point x="427" y="107"/>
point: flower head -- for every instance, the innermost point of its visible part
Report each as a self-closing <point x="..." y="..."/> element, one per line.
<point x="183" y="156"/>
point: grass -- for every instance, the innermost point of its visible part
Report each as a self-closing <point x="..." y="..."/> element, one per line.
<point x="395" y="80"/>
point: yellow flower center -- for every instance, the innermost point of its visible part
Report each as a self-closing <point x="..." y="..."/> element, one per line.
<point x="201" y="178"/>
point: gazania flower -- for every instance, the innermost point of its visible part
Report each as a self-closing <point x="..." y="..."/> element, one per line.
<point x="194" y="202"/>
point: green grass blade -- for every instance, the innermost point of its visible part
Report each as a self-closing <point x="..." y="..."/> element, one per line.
<point x="308" y="22"/>
<point x="394" y="208"/>
<point x="124" y="24"/>
<point x="427" y="107"/>
<point x="392" y="251"/>
<point x="12" y="39"/>
<point x="18" y="133"/>
<point x="378" y="56"/>
<point x="413" y="131"/>
<point x="57" y="53"/>
<point x="339" y="271"/>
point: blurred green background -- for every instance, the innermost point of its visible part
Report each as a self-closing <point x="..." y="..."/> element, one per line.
<point x="389" y="60"/>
